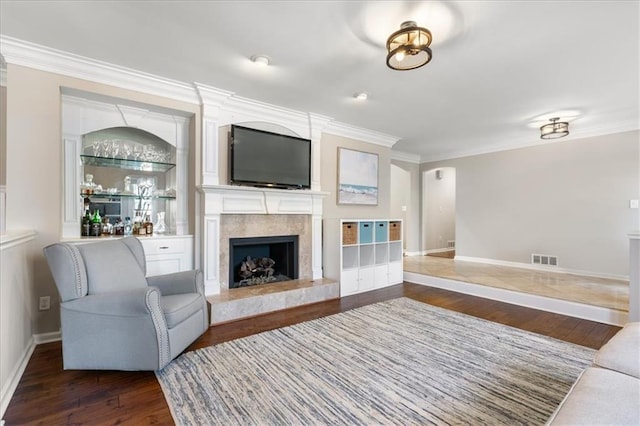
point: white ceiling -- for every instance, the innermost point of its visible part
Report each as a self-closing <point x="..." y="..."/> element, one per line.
<point x="497" y="68"/>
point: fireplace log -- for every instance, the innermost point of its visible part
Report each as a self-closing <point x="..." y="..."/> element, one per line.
<point x="251" y="267"/>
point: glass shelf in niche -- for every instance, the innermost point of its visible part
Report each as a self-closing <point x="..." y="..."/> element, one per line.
<point x="145" y="166"/>
<point x="126" y="195"/>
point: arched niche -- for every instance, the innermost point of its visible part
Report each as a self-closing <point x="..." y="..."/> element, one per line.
<point x="88" y="118"/>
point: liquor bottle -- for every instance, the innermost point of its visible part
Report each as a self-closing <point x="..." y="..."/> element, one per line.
<point x="118" y="228"/>
<point x="107" y="227"/>
<point x="138" y="229"/>
<point x="85" y="229"/>
<point x="148" y="225"/>
<point x="128" y="226"/>
<point x="96" y="225"/>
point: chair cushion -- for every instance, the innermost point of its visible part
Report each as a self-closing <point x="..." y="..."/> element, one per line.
<point x="600" y="397"/>
<point x="111" y="266"/>
<point x="622" y="352"/>
<point x="178" y="307"/>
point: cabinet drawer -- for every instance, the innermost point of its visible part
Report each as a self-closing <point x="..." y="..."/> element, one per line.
<point x="164" y="246"/>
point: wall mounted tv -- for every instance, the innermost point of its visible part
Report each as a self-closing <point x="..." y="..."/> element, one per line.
<point x="266" y="159"/>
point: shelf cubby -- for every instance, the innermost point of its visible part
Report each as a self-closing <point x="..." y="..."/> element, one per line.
<point x="350" y="257"/>
<point x="367" y="255"/>
<point x="382" y="254"/>
<point x="395" y="251"/>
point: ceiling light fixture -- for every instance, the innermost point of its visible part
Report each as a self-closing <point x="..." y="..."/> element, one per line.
<point x="362" y="96"/>
<point x="261" y="60"/>
<point x="408" y="48"/>
<point x="555" y="129"/>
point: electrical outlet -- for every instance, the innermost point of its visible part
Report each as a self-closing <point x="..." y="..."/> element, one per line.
<point x="45" y="303"/>
<point x="633" y="204"/>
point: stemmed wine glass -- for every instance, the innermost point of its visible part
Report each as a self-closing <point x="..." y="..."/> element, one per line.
<point x="137" y="152"/>
<point x="96" y="147"/>
<point x="106" y="149"/>
<point x="126" y="148"/>
<point x="115" y="148"/>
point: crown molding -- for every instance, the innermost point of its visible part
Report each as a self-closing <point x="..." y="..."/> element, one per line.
<point x="584" y="133"/>
<point x="19" y="52"/>
<point x="231" y="108"/>
<point x="211" y="96"/>
<point x="359" y="133"/>
<point x="405" y="156"/>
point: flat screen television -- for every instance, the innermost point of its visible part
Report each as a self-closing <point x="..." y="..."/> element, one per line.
<point x="266" y="159"/>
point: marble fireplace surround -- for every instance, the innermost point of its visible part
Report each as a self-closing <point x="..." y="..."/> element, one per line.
<point x="251" y="225"/>
<point x="236" y="211"/>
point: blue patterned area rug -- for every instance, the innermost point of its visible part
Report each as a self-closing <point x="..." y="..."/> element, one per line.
<point x="396" y="362"/>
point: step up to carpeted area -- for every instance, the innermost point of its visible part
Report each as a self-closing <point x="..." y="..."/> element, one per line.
<point x="246" y="302"/>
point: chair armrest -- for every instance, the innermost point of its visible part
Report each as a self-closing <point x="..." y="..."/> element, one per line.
<point x="136" y="302"/>
<point x="178" y="282"/>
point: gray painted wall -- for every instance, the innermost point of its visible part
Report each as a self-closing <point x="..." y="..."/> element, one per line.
<point x="569" y="198"/>
<point x="405" y="191"/>
<point x="439" y="209"/>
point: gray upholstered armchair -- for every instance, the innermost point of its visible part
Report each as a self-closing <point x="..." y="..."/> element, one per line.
<point x="113" y="318"/>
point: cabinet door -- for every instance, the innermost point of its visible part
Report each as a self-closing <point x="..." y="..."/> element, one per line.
<point x="160" y="265"/>
<point x="381" y="277"/>
<point x="396" y="275"/>
<point x="348" y="282"/>
<point x="366" y="279"/>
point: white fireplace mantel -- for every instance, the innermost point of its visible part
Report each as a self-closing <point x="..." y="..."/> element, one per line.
<point x="220" y="200"/>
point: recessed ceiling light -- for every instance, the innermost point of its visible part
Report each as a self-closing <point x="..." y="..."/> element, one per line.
<point x="261" y="60"/>
<point x="362" y="96"/>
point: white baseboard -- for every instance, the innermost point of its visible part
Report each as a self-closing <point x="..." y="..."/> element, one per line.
<point x="542" y="268"/>
<point x="14" y="378"/>
<point x="564" y="307"/>
<point x="439" y="250"/>
<point x="54" y="336"/>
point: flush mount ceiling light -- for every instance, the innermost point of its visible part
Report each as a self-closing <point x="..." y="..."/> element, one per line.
<point x="261" y="60"/>
<point x="361" y="96"/>
<point x="555" y="129"/>
<point x="408" y="48"/>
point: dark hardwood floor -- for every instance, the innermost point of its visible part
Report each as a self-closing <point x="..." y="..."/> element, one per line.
<point x="49" y="395"/>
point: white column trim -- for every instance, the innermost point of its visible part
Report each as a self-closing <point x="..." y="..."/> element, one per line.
<point x="71" y="186"/>
<point x="211" y="254"/>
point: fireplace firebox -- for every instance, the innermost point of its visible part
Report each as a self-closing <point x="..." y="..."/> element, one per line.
<point x="262" y="260"/>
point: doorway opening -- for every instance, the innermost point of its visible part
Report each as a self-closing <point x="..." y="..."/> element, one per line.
<point x="439" y="212"/>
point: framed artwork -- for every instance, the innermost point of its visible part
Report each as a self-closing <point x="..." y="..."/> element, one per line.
<point x="357" y="177"/>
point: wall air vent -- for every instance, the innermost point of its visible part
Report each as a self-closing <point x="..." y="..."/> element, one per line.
<point x="544" y="259"/>
<point x="451" y="244"/>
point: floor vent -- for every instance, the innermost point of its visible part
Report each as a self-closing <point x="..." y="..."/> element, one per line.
<point x="544" y="259"/>
<point x="451" y="244"/>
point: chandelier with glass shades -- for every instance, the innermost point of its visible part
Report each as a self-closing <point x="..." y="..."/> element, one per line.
<point x="408" y="48"/>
